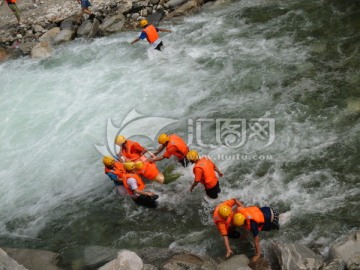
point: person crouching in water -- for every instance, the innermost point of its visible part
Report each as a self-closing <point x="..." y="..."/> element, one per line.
<point x="135" y="187"/>
<point x="115" y="170"/>
<point x="204" y="171"/>
<point x="256" y="219"/>
<point x="149" y="170"/>
<point x="150" y="32"/>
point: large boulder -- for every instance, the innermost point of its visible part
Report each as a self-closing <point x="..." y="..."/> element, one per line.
<point x="124" y="6"/>
<point x="65" y="36"/>
<point x="41" y="50"/>
<point x="237" y="262"/>
<point x="347" y="249"/>
<point x="296" y="257"/>
<point x="113" y="24"/>
<point x="84" y="29"/>
<point x="26" y="47"/>
<point x="8" y="263"/>
<point x="50" y="35"/>
<point x="126" y="260"/>
<point x="189" y="7"/>
<point x="336" y="264"/>
<point x="96" y="256"/>
<point x="94" y="28"/>
<point x="34" y="258"/>
<point x="188" y="262"/>
<point x="175" y="3"/>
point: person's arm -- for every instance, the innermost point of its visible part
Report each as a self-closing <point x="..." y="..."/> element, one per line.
<point x="156" y="159"/>
<point x="218" y="171"/>
<point x="239" y="204"/>
<point x="194" y="184"/>
<point x="229" y="251"/>
<point x="162" y="147"/>
<point x="135" y="40"/>
<point x="164" y="30"/>
<point x="138" y="191"/>
<point x="257" y="248"/>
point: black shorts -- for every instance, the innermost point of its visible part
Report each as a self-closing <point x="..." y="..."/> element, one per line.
<point x="184" y="162"/>
<point x="158" y="47"/>
<point x="214" y="191"/>
<point x="146" y="201"/>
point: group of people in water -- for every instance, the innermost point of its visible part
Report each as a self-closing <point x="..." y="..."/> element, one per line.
<point x="134" y="163"/>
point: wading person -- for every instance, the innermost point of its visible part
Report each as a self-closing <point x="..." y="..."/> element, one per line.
<point x="130" y="150"/>
<point x="150" y="32"/>
<point x="135" y="187"/>
<point x="149" y="170"/>
<point x="115" y="170"/>
<point x="174" y="146"/>
<point x="204" y="171"/>
<point x="256" y="219"/>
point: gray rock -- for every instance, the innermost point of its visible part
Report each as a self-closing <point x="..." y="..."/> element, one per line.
<point x="187" y="262"/>
<point x="38" y="28"/>
<point x="236" y="262"/>
<point x="175" y="3"/>
<point x="155" y="255"/>
<point x="50" y="35"/>
<point x="154" y="2"/>
<point x="126" y="260"/>
<point x="65" y="35"/>
<point x="188" y="7"/>
<point x="134" y="16"/>
<point x="296" y="257"/>
<point x="139" y="5"/>
<point x="94" y="28"/>
<point x="155" y="18"/>
<point x="67" y="24"/>
<point x="347" y="249"/>
<point x="41" y="50"/>
<point x="34" y="258"/>
<point x="124" y="7"/>
<point x="84" y="29"/>
<point x="96" y="256"/>
<point x="113" y="24"/>
<point x="8" y="263"/>
<point x="150" y="267"/>
<point x="337" y="264"/>
<point x="26" y="47"/>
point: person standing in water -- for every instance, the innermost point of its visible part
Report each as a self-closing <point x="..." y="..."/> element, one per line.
<point x="150" y="32"/>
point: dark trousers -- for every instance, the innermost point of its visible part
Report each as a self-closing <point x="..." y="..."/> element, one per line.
<point x="214" y="191"/>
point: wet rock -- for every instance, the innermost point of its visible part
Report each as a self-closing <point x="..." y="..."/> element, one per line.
<point x="68" y="24"/>
<point x="34" y="258"/>
<point x="260" y="264"/>
<point x="6" y="262"/>
<point x="113" y="24"/>
<point x="94" y="28"/>
<point x="188" y="262"/>
<point x="50" y="35"/>
<point x="347" y="249"/>
<point x="175" y="3"/>
<point x="236" y="262"/>
<point x="189" y="7"/>
<point x="65" y="36"/>
<point x="156" y="255"/>
<point x="150" y="267"/>
<point x="125" y="260"/>
<point x="96" y="256"/>
<point x="138" y="6"/>
<point x="26" y="47"/>
<point x="337" y="264"/>
<point x="38" y="28"/>
<point x="84" y="29"/>
<point x="41" y="50"/>
<point x="296" y="257"/>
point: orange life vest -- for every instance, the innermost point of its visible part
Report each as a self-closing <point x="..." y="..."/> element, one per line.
<point x="11" y="1"/>
<point x="139" y="182"/>
<point x="252" y="213"/>
<point x="149" y="171"/>
<point x="209" y="178"/>
<point x="127" y="151"/>
<point x="180" y="145"/>
<point x="151" y="33"/>
<point x="118" y="170"/>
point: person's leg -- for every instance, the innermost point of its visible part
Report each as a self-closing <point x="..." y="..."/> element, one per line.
<point x="158" y="47"/>
<point x="160" y="178"/>
<point x="16" y="11"/>
<point x="183" y="161"/>
<point x="213" y="192"/>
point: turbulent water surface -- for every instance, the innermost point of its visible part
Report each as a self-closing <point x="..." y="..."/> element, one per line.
<point x="269" y="89"/>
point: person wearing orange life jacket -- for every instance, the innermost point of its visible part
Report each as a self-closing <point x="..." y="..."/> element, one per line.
<point x="115" y="170"/>
<point x="256" y="219"/>
<point x="14" y="8"/>
<point x="149" y="171"/>
<point x="222" y="217"/>
<point x="135" y="187"/>
<point x="150" y="32"/>
<point x="204" y="171"/>
<point x="130" y="150"/>
<point x="174" y="145"/>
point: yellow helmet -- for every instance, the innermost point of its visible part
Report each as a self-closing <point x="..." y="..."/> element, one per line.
<point x="119" y="140"/>
<point x="192" y="155"/>
<point x="238" y="219"/>
<point x="163" y="138"/>
<point x="143" y="23"/>
<point x="139" y="165"/>
<point x="225" y="211"/>
<point x="129" y="165"/>
<point x="108" y="161"/>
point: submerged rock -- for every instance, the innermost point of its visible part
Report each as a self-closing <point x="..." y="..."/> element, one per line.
<point x="125" y="260"/>
<point x="8" y="263"/>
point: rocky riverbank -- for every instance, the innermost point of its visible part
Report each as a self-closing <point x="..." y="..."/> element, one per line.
<point x="343" y="254"/>
<point x="53" y="22"/>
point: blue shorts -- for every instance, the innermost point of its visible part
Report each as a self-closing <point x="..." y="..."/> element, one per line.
<point x="85" y="3"/>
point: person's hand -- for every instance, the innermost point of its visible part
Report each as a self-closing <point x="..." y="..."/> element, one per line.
<point x="229" y="253"/>
<point x="191" y="188"/>
<point x="151" y="160"/>
<point x="149" y="194"/>
<point x="255" y="258"/>
<point x="221" y="174"/>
